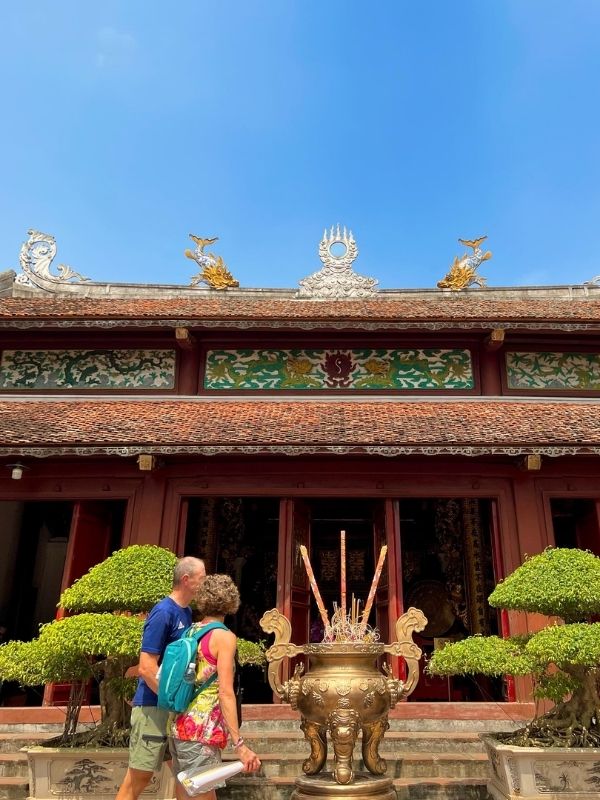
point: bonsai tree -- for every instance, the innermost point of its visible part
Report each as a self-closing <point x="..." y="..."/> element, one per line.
<point x="100" y="641"/>
<point x="563" y="658"/>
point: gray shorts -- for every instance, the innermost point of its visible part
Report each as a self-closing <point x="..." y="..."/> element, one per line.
<point x="193" y="757"/>
<point x="148" y="739"/>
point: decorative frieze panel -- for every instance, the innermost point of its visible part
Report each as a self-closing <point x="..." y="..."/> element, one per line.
<point x="338" y="369"/>
<point x="546" y="370"/>
<point x="87" y="369"/>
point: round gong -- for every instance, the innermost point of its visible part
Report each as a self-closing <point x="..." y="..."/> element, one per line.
<point x="323" y="787"/>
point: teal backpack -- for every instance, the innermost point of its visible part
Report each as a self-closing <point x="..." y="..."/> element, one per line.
<point x="177" y="685"/>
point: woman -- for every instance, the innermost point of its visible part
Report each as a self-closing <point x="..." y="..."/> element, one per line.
<point x="198" y="735"/>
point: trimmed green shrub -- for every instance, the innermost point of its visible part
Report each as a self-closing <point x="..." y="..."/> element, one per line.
<point x="562" y="659"/>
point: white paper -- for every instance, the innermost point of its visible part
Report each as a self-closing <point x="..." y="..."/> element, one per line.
<point x="205" y="781"/>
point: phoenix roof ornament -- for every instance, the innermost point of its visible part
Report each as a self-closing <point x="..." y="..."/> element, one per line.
<point x="337" y="280"/>
<point x="463" y="272"/>
<point x="36" y="257"/>
<point x="213" y="270"/>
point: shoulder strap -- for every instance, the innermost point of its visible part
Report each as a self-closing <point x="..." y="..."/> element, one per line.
<point x="198" y="634"/>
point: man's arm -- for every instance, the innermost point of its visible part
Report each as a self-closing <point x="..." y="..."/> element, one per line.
<point x="148" y="667"/>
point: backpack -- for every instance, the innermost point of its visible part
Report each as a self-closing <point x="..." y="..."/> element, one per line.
<point x="177" y="685"/>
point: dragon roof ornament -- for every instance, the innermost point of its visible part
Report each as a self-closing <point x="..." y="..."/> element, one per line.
<point x="213" y="270"/>
<point x="36" y="257"/>
<point x="463" y="272"/>
<point x="337" y="280"/>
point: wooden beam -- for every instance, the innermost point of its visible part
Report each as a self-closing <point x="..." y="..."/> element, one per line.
<point x="495" y="339"/>
<point x="184" y="338"/>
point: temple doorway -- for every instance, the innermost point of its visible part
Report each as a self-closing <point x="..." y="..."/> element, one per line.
<point x="447" y="556"/>
<point x="440" y="559"/>
<point x="46" y="546"/>
<point x="239" y="536"/>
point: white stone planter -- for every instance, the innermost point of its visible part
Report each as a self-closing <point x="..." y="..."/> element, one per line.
<point x="56" y="772"/>
<point x="542" y="772"/>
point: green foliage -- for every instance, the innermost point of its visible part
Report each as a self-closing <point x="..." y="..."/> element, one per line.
<point x="577" y="644"/>
<point x="482" y="655"/>
<point x="563" y="660"/>
<point x="132" y="579"/>
<point x="100" y="642"/>
<point x="251" y="653"/>
<point x="554" y="686"/>
<point x="560" y="582"/>
<point x="67" y="649"/>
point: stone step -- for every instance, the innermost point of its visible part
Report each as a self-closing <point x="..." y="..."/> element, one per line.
<point x="13" y="764"/>
<point x="419" y="741"/>
<point x="14" y="788"/>
<point x="426" y="788"/>
<point x="403" y="765"/>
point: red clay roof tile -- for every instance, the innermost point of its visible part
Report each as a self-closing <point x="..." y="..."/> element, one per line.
<point x="442" y="308"/>
<point x="369" y="426"/>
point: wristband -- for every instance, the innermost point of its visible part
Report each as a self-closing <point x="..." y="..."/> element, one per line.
<point x="239" y="742"/>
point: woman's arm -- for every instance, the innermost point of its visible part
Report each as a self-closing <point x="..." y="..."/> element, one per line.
<point x="225" y="644"/>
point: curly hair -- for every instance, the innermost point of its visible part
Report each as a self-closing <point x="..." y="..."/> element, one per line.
<point x="218" y="596"/>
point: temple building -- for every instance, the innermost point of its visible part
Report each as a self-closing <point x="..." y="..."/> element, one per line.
<point x="458" y="425"/>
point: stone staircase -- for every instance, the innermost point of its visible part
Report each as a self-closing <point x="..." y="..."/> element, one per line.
<point x="424" y="764"/>
<point x="433" y="755"/>
<point x="428" y="759"/>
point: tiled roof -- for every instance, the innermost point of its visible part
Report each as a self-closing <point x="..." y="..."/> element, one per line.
<point x="445" y="307"/>
<point x="294" y="426"/>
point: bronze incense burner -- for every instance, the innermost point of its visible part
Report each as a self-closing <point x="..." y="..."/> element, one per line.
<point x="344" y="692"/>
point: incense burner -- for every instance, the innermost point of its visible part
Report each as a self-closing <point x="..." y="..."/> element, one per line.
<point x="343" y="692"/>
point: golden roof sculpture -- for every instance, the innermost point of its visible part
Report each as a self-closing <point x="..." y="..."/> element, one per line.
<point x="213" y="270"/>
<point x="463" y="272"/>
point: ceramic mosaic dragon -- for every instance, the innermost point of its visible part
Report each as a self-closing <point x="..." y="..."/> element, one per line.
<point x="463" y="272"/>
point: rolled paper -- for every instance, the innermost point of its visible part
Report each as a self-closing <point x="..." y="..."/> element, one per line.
<point x="371" y="597"/>
<point x="343" y="571"/>
<point x="313" y="585"/>
<point x="199" y="782"/>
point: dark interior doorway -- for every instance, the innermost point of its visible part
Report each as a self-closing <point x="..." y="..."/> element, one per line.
<point x="239" y="536"/>
<point x="447" y="572"/>
<point x="328" y="519"/>
<point x="576" y="523"/>
<point x="46" y="542"/>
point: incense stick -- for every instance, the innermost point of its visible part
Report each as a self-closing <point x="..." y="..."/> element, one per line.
<point x="343" y="571"/>
<point x="313" y="585"/>
<point x="371" y="597"/>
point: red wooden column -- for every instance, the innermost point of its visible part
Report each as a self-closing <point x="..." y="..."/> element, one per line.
<point x="148" y="514"/>
<point x="395" y="604"/>
<point x="533" y="538"/>
<point x="293" y="589"/>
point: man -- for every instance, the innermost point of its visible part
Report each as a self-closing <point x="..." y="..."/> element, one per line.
<point x="165" y="623"/>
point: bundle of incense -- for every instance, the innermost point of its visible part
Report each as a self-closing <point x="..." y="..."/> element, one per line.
<point x="371" y="597"/>
<point x="343" y="571"/>
<point x="313" y="585"/>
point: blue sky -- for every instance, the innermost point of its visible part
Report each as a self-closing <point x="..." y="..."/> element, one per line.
<point x="128" y="125"/>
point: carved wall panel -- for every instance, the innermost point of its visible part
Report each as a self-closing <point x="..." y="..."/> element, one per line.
<point x="339" y="369"/>
<point x="87" y="369"/>
<point x="547" y="370"/>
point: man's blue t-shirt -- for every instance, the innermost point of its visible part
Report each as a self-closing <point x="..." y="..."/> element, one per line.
<point x="165" y="623"/>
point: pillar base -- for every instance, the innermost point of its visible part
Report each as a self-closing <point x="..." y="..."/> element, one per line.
<point x="324" y="787"/>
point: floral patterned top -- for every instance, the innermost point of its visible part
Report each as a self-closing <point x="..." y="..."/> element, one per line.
<point x="203" y="720"/>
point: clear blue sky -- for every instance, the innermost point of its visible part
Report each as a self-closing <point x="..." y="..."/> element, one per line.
<point x="128" y="125"/>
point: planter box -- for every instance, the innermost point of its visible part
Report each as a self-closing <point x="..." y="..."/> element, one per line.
<point x="542" y="772"/>
<point x="84" y="772"/>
